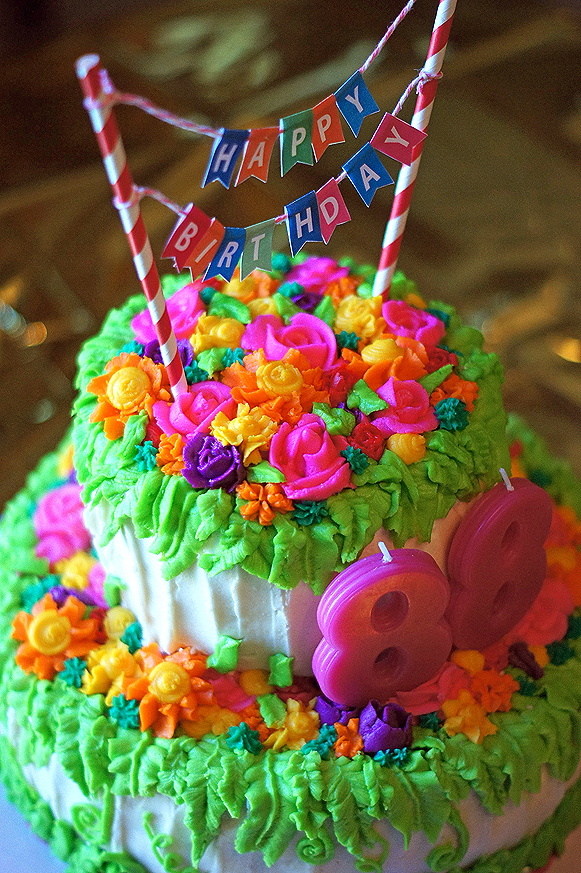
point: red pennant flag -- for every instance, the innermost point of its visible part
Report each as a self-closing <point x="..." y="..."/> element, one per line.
<point x="332" y="209"/>
<point x="189" y="230"/>
<point x="327" y="128"/>
<point x="257" y="153"/>
<point x="205" y="250"/>
<point x="397" y="139"/>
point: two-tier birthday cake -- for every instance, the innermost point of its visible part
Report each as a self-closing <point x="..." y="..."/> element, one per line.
<point x="304" y="616"/>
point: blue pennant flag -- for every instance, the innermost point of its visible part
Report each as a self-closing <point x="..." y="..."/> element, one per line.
<point x="367" y="172"/>
<point x="302" y="222"/>
<point x="225" y="152"/>
<point x="229" y="253"/>
<point x="355" y="101"/>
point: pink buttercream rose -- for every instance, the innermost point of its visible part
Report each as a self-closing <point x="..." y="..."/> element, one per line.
<point x="59" y="526"/>
<point x="194" y="411"/>
<point x="405" y="320"/>
<point x="94" y="589"/>
<point x="547" y="619"/>
<point x="307" y="333"/>
<point x="310" y="460"/>
<point x="408" y="411"/>
<point x="428" y="696"/>
<point x="317" y="273"/>
<point x="184" y="308"/>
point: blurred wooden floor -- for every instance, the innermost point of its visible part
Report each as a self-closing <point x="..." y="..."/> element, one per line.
<point x="494" y="224"/>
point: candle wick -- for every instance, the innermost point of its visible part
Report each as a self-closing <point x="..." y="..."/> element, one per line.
<point x="385" y="552"/>
<point x="507" y="482"/>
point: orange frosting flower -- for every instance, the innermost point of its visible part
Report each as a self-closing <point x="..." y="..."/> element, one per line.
<point x="264" y="501"/>
<point x="349" y="741"/>
<point x="344" y="287"/>
<point x="170" y="689"/>
<point x="52" y="634"/>
<point x="129" y="385"/>
<point x="464" y="715"/>
<point x="170" y="456"/>
<point x="454" y="386"/>
<point x="300" y="725"/>
<point x="494" y="690"/>
<point x="410" y="447"/>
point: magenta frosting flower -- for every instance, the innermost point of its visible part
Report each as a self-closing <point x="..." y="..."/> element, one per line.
<point x="408" y="411"/>
<point x="384" y="728"/>
<point x="184" y="308"/>
<point x="317" y="273"/>
<point x="307" y="333"/>
<point x="194" y="411"/>
<point x="405" y="320"/>
<point x="310" y="459"/>
<point x="59" y="526"/>
<point x="209" y="464"/>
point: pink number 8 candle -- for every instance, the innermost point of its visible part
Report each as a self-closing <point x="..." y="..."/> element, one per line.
<point x="497" y="563"/>
<point x="383" y="627"/>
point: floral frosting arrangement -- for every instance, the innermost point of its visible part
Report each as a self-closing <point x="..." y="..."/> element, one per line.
<point x="315" y="415"/>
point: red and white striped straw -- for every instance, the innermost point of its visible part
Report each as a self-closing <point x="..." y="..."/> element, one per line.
<point x="407" y="175"/>
<point x="100" y="109"/>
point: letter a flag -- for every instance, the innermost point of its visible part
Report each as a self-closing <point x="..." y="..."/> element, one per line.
<point x="332" y="209"/>
<point x="205" y="250"/>
<point x="327" y="128"/>
<point x="367" y="173"/>
<point x="295" y="140"/>
<point x="225" y="152"/>
<point x="187" y="233"/>
<point x="355" y="101"/>
<point x="257" y="153"/>
<point x="229" y="253"/>
<point x="302" y="221"/>
<point x="397" y="139"/>
<point x="257" y="254"/>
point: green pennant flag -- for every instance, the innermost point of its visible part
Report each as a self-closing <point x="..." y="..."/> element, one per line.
<point x="296" y="140"/>
<point x="257" y="253"/>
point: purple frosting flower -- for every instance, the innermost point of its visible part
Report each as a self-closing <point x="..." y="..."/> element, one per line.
<point x="209" y="464"/>
<point x="307" y="300"/>
<point x="152" y="350"/>
<point x="330" y="712"/>
<point x="384" y="728"/>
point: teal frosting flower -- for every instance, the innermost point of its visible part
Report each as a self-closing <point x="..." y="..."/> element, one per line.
<point x="347" y="340"/>
<point x="134" y="348"/>
<point x="430" y="721"/>
<point x="73" y="671"/>
<point x="145" y="455"/>
<point x="528" y="688"/>
<point x="125" y="712"/>
<point x="323" y="743"/>
<point x="36" y="592"/>
<point x="194" y="373"/>
<point x="356" y="458"/>
<point x="560" y="652"/>
<point x="232" y="356"/>
<point x="244" y="737"/>
<point x="133" y="637"/>
<point x="451" y="414"/>
<point x="309" y="511"/>
<point x="393" y="756"/>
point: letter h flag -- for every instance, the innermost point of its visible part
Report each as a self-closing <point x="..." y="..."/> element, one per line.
<point x="302" y="221"/>
<point x="225" y="152"/>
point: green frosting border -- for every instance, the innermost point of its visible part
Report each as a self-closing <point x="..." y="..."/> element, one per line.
<point x="274" y="796"/>
<point x="406" y="500"/>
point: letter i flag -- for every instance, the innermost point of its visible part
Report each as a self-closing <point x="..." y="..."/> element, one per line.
<point x="295" y="140"/>
<point x="355" y="101"/>
<point x="257" y="254"/>
<point x="257" y="154"/>
<point x="229" y="253"/>
<point x="187" y="233"/>
<point x="332" y="209"/>
<point x="225" y="153"/>
<point x="397" y="139"/>
<point x="205" y="250"/>
<point x="302" y="221"/>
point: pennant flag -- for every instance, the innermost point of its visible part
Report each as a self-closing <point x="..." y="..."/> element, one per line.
<point x="187" y="233"/>
<point x="327" y="128"/>
<point x="257" y="254"/>
<point x="367" y="173"/>
<point x="397" y="139"/>
<point x="257" y="153"/>
<point x="206" y="249"/>
<point x="229" y="253"/>
<point x="355" y="101"/>
<point x="225" y="152"/>
<point x="332" y="209"/>
<point x="295" y="140"/>
<point x="302" y="222"/>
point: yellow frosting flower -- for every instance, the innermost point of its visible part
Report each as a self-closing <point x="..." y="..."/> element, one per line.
<point x="262" y="306"/>
<point x="213" y="332"/>
<point x="465" y="716"/>
<point x="49" y="633"/>
<point x="210" y="719"/>
<point x="360" y="316"/>
<point x="469" y="659"/>
<point x="384" y="349"/>
<point x="169" y="682"/>
<point x="107" y="667"/>
<point x="279" y="378"/>
<point x="300" y="725"/>
<point x="410" y="447"/>
<point x="251" y="430"/>
<point x="244" y="290"/>
<point x="127" y="388"/>
<point x="255" y="682"/>
<point x="116" y="621"/>
<point x="75" y="570"/>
